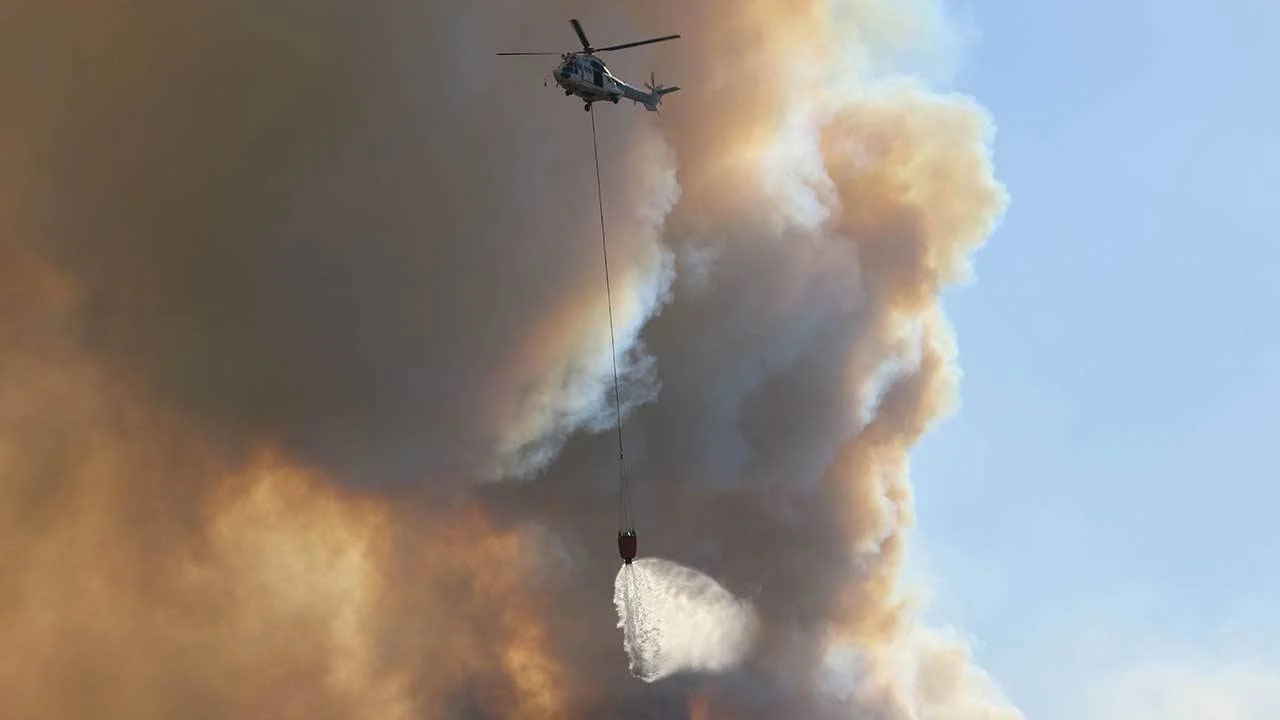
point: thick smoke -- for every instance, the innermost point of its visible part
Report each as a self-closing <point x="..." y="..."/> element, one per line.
<point x="304" y="355"/>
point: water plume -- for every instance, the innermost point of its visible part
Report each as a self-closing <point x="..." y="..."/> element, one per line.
<point x="675" y="619"/>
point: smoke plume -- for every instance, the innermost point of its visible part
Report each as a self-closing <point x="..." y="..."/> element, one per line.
<point x="305" y="381"/>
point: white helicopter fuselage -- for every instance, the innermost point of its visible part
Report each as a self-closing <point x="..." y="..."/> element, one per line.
<point x="587" y="77"/>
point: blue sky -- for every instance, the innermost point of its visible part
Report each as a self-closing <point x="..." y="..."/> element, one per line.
<point x="1104" y="498"/>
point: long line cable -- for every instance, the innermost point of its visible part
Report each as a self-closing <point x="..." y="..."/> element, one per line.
<point x="624" y="503"/>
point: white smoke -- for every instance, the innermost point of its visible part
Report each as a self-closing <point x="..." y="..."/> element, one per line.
<point x="576" y="391"/>
<point x="676" y="619"/>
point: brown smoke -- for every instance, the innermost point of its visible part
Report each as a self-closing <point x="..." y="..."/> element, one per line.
<point x="291" y="294"/>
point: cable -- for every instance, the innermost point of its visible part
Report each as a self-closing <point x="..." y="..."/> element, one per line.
<point x="624" y="504"/>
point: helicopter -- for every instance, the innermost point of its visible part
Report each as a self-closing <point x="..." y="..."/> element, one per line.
<point x="585" y="75"/>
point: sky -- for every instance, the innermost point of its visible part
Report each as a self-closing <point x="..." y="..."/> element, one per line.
<point x="1107" y="479"/>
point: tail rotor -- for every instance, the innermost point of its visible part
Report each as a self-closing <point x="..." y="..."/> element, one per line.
<point x="656" y="92"/>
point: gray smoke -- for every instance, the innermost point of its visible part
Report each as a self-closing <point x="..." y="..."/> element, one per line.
<point x="305" y="384"/>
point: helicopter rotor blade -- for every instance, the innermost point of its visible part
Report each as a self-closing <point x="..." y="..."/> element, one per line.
<point x="577" y="27"/>
<point x="640" y="42"/>
<point x="529" y="53"/>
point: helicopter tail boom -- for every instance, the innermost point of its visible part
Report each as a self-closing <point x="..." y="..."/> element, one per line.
<point x="656" y="92"/>
<point x="654" y="99"/>
<point x="650" y="98"/>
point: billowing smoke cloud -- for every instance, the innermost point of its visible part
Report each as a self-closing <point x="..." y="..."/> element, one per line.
<point x="304" y="355"/>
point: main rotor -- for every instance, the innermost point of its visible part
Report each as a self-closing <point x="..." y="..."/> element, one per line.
<point x="586" y="45"/>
